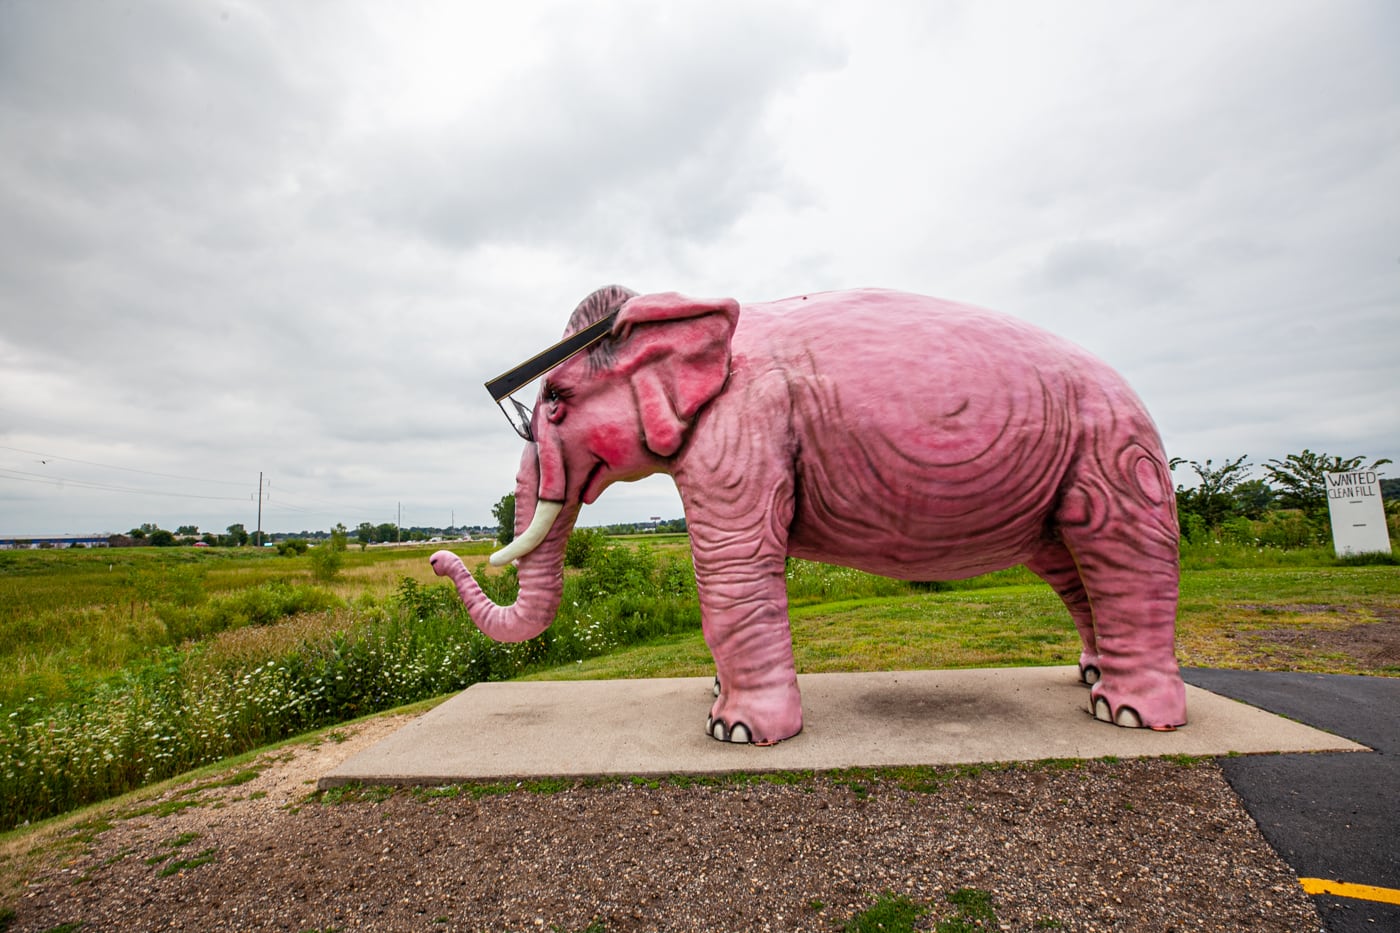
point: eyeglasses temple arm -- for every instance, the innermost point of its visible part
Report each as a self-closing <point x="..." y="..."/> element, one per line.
<point x="541" y="363"/>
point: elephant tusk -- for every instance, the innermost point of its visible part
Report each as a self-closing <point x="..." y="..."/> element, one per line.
<point x="543" y="520"/>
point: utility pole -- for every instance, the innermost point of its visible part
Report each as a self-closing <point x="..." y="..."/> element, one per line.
<point x="257" y="540"/>
<point x="398" y="526"/>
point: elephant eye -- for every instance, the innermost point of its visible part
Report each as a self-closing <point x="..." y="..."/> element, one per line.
<point x="554" y="393"/>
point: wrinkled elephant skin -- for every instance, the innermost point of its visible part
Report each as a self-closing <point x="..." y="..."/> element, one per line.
<point x="898" y="434"/>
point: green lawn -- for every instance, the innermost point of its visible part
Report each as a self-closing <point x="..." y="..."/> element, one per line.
<point x="1227" y="618"/>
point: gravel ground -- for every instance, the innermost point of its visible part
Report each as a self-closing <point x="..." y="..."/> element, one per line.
<point x="1135" y="845"/>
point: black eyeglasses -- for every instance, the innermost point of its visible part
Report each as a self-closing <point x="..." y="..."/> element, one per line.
<point x="571" y="346"/>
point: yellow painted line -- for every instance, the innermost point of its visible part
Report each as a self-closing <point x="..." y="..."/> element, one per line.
<point x="1360" y="892"/>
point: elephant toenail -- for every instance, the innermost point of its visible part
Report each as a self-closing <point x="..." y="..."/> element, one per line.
<point x="1128" y="718"/>
<point x="739" y="734"/>
<point x="1101" y="710"/>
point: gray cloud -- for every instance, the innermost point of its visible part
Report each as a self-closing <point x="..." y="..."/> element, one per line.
<point x="655" y="128"/>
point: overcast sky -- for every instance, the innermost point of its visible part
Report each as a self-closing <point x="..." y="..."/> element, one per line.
<point x="296" y="238"/>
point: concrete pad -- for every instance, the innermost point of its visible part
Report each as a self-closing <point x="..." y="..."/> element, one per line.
<point x="592" y="728"/>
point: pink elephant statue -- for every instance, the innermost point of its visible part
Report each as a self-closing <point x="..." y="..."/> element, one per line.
<point x="902" y="435"/>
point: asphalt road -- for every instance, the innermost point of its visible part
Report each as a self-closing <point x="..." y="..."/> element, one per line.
<point x="1333" y="816"/>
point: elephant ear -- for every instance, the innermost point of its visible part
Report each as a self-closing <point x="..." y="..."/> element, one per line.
<point x="675" y="351"/>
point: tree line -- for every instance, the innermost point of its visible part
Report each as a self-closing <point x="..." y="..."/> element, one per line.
<point x="504" y="513"/>
<point x="152" y="535"/>
<point x="1285" y="507"/>
<point x="237" y="535"/>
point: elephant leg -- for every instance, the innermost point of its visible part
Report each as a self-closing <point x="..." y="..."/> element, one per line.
<point x="1055" y="565"/>
<point x="1124" y="543"/>
<point x="740" y="576"/>
<point x="745" y="623"/>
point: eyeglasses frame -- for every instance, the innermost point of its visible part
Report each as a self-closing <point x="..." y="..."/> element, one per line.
<point x="560" y="353"/>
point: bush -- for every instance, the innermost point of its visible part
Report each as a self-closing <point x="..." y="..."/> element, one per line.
<point x="1276" y="529"/>
<point x="617" y="568"/>
<point x="292" y="547"/>
<point x="810" y="582"/>
<point x="1193" y="528"/>
<point x="1291" y="529"/>
<point x="582" y="545"/>
<point x="328" y="557"/>
<point x="501" y="587"/>
<point x="424" y="602"/>
<point x="261" y="605"/>
<point x="1238" y="530"/>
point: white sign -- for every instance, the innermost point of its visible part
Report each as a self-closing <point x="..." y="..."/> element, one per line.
<point x="1358" y="517"/>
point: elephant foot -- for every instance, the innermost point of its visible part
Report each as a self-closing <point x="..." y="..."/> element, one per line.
<point x="1089" y="667"/>
<point x="1126" y="716"/>
<point x="1156" y="702"/>
<point x="761" y="716"/>
<point x="718" y="730"/>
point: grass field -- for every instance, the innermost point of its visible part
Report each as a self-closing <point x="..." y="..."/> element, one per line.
<point x="125" y="666"/>
<point x="1261" y="619"/>
<point x="77" y="614"/>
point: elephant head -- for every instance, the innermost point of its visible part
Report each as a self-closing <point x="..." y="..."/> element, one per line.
<point x="618" y="410"/>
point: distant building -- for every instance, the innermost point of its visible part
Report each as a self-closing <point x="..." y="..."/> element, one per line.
<point x="53" y="541"/>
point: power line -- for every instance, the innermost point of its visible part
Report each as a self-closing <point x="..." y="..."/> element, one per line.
<point x="113" y="466"/>
<point x="277" y="505"/>
<point x="23" y="477"/>
<point x="285" y="502"/>
<point x="313" y="499"/>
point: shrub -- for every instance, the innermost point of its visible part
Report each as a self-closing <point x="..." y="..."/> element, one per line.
<point x="261" y="605"/>
<point x="1193" y="528"/>
<point x="502" y="587"/>
<point x="326" y="563"/>
<point x="422" y="602"/>
<point x="328" y="557"/>
<point x="582" y="545"/>
<point x="617" y="568"/>
<point x="1237" y="530"/>
<point x="810" y="582"/>
<point x="1290" y="529"/>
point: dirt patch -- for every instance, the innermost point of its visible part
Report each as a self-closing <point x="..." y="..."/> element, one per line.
<point x="1321" y="638"/>
<point x="1368" y="647"/>
<point x="1135" y="845"/>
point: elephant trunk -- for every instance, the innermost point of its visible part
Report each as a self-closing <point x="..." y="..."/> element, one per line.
<point x="540" y="566"/>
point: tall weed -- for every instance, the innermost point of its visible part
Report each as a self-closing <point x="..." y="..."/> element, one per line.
<point x="54" y="654"/>
<point x="1224" y="554"/>
<point x="262" y="679"/>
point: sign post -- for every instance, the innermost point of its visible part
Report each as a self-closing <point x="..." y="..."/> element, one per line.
<point x="1358" y="515"/>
